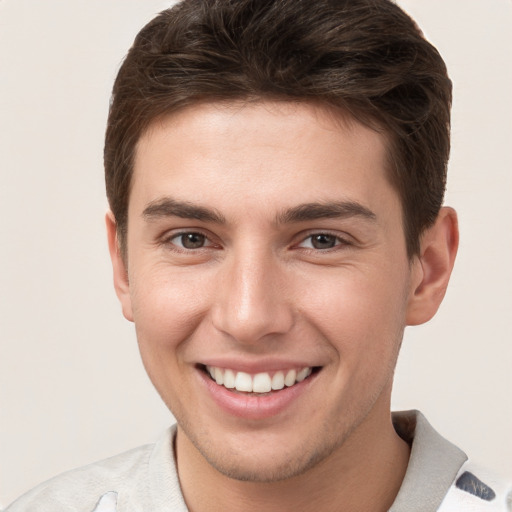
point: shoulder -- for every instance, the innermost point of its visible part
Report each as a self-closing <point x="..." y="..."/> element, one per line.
<point x="441" y="478"/>
<point x="478" y="489"/>
<point x="90" y="488"/>
<point x="145" y="478"/>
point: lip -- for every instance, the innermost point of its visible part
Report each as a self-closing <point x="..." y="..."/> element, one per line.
<point x="254" y="407"/>
<point x="261" y="366"/>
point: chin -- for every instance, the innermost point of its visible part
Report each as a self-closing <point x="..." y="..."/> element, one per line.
<point x="264" y="471"/>
<point x="254" y="464"/>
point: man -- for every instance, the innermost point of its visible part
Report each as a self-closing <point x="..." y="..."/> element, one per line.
<point x="275" y="171"/>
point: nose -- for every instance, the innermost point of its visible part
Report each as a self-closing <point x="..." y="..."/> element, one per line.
<point x="252" y="302"/>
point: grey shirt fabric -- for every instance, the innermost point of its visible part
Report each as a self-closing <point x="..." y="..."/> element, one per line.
<point x="146" y="479"/>
<point x="433" y="464"/>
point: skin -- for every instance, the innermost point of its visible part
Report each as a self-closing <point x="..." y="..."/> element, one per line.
<point x="260" y="292"/>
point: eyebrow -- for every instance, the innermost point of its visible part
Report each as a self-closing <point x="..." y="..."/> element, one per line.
<point x="168" y="207"/>
<point x="328" y="210"/>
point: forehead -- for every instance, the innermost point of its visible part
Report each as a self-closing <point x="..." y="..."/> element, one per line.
<point x="268" y="152"/>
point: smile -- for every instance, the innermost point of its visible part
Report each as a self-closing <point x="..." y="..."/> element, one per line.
<point x="263" y="382"/>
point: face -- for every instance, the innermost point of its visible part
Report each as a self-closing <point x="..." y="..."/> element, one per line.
<point x="268" y="280"/>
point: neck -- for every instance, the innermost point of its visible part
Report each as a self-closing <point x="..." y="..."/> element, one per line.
<point x="365" y="473"/>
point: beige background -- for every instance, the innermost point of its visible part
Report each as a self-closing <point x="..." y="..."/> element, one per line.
<point x="72" y="389"/>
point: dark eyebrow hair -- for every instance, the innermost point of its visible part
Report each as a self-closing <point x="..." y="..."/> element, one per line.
<point x="329" y="210"/>
<point x="169" y="207"/>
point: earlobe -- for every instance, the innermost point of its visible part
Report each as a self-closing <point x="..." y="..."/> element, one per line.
<point x="438" y="248"/>
<point x="121" y="282"/>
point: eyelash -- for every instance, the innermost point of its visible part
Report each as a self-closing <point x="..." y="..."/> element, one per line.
<point x="170" y="241"/>
<point x="338" y="241"/>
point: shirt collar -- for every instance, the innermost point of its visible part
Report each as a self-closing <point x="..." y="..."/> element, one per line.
<point x="433" y="464"/>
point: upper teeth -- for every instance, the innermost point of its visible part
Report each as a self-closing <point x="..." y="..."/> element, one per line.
<point x="259" y="383"/>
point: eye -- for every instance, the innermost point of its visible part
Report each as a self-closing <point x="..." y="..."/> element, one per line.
<point x="321" y="241"/>
<point x="190" y="240"/>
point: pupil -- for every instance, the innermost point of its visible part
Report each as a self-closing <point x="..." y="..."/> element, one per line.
<point x="192" y="240"/>
<point x="323" y="241"/>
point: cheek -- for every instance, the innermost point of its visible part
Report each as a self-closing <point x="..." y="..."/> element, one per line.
<point x="167" y="311"/>
<point x="167" y="307"/>
<point x="362" y="314"/>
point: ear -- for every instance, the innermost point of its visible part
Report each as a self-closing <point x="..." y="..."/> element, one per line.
<point x="121" y="282"/>
<point x="438" y="248"/>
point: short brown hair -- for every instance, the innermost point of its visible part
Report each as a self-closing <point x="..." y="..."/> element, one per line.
<point x="365" y="57"/>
